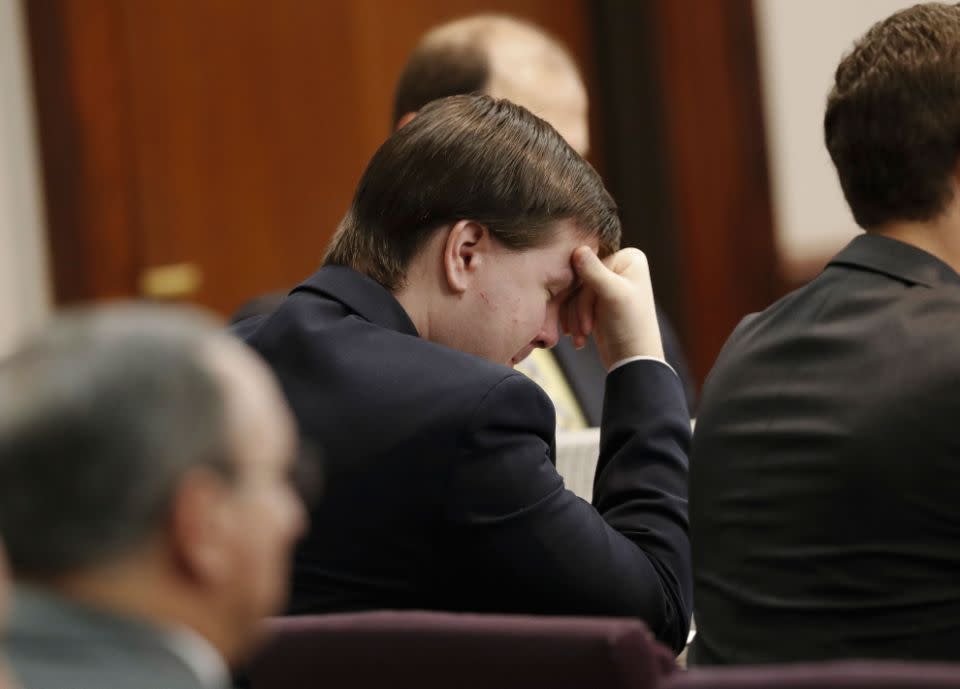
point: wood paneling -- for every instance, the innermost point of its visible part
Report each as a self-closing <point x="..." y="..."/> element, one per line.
<point x="86" y="144"/>
<point x="228" y="134"/>
<point x="681" y="93"/>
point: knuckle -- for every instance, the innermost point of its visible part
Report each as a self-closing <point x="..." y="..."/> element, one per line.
<point x="636" y="254"/>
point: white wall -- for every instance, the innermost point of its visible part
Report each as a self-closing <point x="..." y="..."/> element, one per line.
<point x="24" y="283"/>
<point x="800" y="44"/>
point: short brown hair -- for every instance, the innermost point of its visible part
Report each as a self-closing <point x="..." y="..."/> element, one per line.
<point x="469" y="158"/>
<point x="892" y="123"/>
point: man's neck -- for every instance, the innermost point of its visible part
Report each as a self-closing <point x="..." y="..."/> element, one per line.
<point x="940" y="238"/>
<point x="416" y="306"/>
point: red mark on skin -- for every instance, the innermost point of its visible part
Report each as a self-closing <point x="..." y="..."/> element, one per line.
<point x="483" y="295"/>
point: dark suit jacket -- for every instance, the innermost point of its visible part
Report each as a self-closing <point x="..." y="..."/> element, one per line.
<point x="587" y="375"/>
<point x="55" y="643"/>
<point x="825" y="473"/>
<point x="442" y="491"/>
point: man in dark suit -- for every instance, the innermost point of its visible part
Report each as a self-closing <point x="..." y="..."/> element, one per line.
<point x="826" y="462"/>
<point x="508" y="58"/>
<point x="473" y="230"/>
<point x="144" y="501"/>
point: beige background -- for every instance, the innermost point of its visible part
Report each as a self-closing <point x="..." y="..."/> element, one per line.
<point x="24" y="289"/>
<point x="800" y="44"/>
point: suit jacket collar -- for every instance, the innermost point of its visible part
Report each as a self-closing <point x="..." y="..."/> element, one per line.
<point x="361" y="294"/>
<point x="896" y="259"/>
<point x="38" y="614"/>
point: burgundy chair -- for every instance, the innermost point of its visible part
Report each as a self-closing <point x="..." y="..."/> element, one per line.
<point x="457" y="651"/>
<point x="846" y="674"/>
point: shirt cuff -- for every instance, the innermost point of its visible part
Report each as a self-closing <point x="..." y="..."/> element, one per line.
<point x="631" y="359"/>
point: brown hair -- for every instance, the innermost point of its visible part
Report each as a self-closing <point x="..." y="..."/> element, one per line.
<point x="458" y="58"/>
<point x="469" y="158"/>
<point x="438" y="71"/>
<point x="892" y="123"/>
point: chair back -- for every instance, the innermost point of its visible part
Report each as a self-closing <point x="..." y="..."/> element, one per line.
<point x="443" y="650"/>
<point x="847" y="674"/>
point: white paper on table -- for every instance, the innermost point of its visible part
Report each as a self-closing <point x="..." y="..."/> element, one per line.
<point x="577" y="453"/>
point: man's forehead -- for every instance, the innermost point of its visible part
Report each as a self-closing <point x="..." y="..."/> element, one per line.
<point x="569" y="234"/>
<point x="569" y="237"/>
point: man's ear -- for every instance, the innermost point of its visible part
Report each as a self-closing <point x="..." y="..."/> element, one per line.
<point x="463" y="253"/>
<point x="405" y="120"/>
<point x="200" y="525"/>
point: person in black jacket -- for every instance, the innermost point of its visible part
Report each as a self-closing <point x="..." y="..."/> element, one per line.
<point x="826" y="461"/>
<point x="506" y="57"/>
<point x="474" y="232"/>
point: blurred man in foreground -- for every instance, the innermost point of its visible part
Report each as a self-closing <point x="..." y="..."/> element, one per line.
<point x="5" y="681"/>
<point x="474" y="231"/>
<point x="826" y="460"/>
<point x="144" y="500"/>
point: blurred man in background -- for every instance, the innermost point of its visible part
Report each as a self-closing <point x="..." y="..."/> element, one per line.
<point x="144" y="500"/>
<point x="826" y="460"/>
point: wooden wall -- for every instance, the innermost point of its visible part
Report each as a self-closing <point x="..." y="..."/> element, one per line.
<point x="687" y="160"/>
<point x="220" y="140"/>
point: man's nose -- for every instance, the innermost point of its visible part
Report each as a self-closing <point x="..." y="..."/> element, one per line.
<point x="550" y="333"/>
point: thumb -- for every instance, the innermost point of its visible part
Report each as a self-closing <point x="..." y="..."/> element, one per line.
<point x="592" y="272"/>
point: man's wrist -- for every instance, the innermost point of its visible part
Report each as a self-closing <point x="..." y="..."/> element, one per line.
<point x="631" y="359"/>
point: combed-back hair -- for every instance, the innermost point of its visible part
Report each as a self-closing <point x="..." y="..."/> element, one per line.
<point x="469" y="158"/>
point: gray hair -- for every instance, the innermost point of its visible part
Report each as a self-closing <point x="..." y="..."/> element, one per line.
<point x="101" y="415"/>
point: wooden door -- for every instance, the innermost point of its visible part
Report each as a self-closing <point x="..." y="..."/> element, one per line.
<point x="207" y="149"/>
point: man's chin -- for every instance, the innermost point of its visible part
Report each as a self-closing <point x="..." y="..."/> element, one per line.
<point x="518" y="358"/>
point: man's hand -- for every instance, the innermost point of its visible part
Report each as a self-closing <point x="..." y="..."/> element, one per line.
<point x="615" y="303"/>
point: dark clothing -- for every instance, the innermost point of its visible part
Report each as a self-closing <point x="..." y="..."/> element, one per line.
<point x="442" y="491"/>
<point x="582" y="368"/>
<point x="825" y="473"/>
<point x="586" y="373"/>
<point x="53" y="642"/>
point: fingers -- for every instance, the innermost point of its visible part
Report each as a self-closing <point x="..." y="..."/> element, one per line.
<point x="585" y="305"/>
<point x="577" y="317"/>
<point x="596" y="276"/>
<point x="615" y="303"/>
<point x="573" y="322"/>
<point x="630" y="263"/>
<point x="564" y="320"/>
<point x="581" y="316"/>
